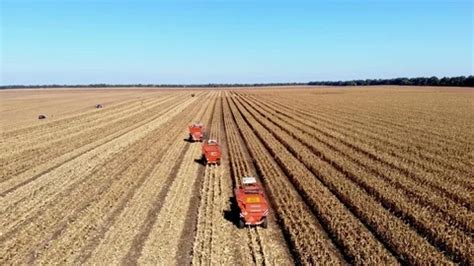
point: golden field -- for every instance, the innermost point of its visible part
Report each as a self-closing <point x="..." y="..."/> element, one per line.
<point x="360" y="175"/>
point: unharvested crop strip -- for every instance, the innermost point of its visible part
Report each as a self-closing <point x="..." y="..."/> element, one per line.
<point x="424" y="194"/>
<point x="365" y="123"/>
<point x="394" y="121"/>
<point x="424" y="179"/>
<point x="268" y="248"/>
<point x="438" y="230"/>
<point x="398" y="236"/>
<point x="240" y="169"/>
<point x="391" y="124"/>
<point x="348" y="232"/>
<point x="308" y="239"/>
<point x="378" y="140"/>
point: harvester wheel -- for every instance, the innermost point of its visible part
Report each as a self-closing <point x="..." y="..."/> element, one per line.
<point x="265" y="223"/>
<point x="241" y="223"/>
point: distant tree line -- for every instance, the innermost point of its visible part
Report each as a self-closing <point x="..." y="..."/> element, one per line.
<point x="461" y="81"/>
<point x="103" y="85"/>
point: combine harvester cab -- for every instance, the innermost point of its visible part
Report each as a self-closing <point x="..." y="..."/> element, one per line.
<point x="196" y="132"/>
<point x="252" y="203"/>
<point x="211" y="152"/>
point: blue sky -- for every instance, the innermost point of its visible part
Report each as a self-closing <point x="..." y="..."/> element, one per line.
<point x="82" y="42"/>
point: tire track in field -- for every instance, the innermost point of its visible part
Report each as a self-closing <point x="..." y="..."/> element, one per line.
<point x="213" y="232"/>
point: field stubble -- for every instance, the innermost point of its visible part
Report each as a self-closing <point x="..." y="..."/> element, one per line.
<point x="376" y="175"/>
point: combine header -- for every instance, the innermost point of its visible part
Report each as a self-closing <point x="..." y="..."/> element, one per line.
<point x="252" y="203"/>
<point x="196" y="132"/>
<point x="211" y="152"/>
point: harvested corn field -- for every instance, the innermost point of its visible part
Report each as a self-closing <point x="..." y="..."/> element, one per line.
<point x="380" y="175"/>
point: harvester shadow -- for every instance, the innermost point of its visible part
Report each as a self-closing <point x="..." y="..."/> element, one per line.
<point x="200" y="161"/>
<point x="188" y="140"/>
<point x="232" y="215"/>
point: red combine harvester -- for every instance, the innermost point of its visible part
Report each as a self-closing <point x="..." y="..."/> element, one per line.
<point x="252" y="203"/>
<point x="211" y="152"/>
<point x="196" y="132"/>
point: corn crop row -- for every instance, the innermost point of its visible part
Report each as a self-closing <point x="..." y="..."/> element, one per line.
<point x="307" y="237"/>
<point x="455" y="241"/>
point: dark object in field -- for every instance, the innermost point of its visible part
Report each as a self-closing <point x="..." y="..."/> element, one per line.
<point x="42" y="117"/>
<point x="192" y="95"/>
<point x="98" y="106"/>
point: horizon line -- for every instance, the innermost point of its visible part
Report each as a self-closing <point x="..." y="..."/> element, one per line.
<point x="307" y="83"/>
